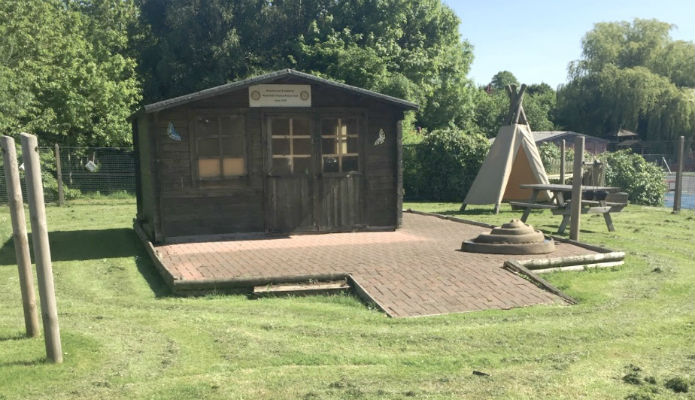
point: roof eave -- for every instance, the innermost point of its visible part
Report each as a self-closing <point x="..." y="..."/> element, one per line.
<point x="229" y="87"/>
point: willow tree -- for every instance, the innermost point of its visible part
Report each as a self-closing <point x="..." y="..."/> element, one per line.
<point x="632" y="76"/>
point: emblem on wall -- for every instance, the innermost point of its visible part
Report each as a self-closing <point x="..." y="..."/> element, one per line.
<point x="171" y="132"/>
<point x="381" y="138"/>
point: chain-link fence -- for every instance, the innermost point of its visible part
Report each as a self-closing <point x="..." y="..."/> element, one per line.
<point x="86" y="171"/>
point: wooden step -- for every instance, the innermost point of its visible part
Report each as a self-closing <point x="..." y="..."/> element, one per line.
<point x="301" y="289"/>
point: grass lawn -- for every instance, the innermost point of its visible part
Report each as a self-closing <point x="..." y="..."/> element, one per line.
<point x="125" y="337"/>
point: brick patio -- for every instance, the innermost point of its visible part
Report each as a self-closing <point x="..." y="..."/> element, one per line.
<point x="415" y="271"/>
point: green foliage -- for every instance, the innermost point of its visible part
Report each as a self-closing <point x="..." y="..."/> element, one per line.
<point x="64" y="70"/>
<point x="631" y="76"/>
<point x="503" y="78"/>
<point x="491" y="109"/>
<point x="443" y="165"/>
<point x="410" y="49"/>
<point x="642" y="181"/>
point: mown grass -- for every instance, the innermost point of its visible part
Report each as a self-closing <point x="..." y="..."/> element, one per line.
<point x="125" y="337"/>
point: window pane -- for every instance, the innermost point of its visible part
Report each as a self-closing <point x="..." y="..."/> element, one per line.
<point x="353" y="145"/>
<point x="233" y="166"/>
<point x="209" y="167"/>
<point x="350" y="163"/>
<point x="328" y="146"/>
<point x="329" y="127"/>
<point x="351" y="126"/>
<point x="280" y="126"/>
<point x="281" y="146"/>
<point x="302" y="146"/>
<point x="208" y="147"/>
<point x="302" y="165"/>
<point x="233" y="146"/>
<point x="281" y="166"/>
<point x="301" y="126"/>
<point x="330" y="164"/>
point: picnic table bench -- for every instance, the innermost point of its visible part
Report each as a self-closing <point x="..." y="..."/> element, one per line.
<point x="609" y="200"/>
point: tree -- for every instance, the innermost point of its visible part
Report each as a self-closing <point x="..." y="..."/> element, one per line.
<point x="64" y="71"/>
<point x="502" y="79"/>
<point x="405" y="48"/>
<point x="492" y="107"/>
<point x="631" y="76"/>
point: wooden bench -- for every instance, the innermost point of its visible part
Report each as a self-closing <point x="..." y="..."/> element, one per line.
<point x="529" y="206"/>
<point x="615" y="202"/>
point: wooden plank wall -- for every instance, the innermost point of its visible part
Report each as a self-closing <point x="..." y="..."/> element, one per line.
<point x="189" y="207"/>
<point x="380" y="167"/>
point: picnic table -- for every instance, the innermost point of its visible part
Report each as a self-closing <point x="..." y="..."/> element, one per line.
<point x="595" y="200"/>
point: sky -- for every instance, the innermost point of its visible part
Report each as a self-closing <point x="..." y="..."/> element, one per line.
<point x="537" y="39"/>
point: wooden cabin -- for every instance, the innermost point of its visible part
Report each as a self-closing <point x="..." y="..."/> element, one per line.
<point x="277" y="153"/>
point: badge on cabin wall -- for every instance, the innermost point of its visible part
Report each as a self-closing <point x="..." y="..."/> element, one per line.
<point x="272" y="95"/>
<point x="172" y="133"/>
<point x="381" y="138"/>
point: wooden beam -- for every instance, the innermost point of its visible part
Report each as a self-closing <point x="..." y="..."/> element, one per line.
<point x="576" y="206"/>
<point x="679" y="177"/>
<point x="562" y="162"/>
<point x="399" y="173"/>
<point x="59" y="177"/>
<point x="42" y="250"/>
<point x="520" y="269"/>
<point x="19" y="232"/>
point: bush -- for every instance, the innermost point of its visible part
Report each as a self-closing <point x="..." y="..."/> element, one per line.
<point x="642" y="181"/>
<point x="442" y="167"/>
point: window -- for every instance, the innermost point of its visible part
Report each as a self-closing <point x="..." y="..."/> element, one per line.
<point x="221" y="147"/>
<point x="291" y="145"/>
<point x="339" y="145"/>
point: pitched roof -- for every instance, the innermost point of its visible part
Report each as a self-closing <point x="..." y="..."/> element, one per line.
<point x="542" y="136"/>
<point x="625" y="133"/>
<point x="269" y="77"/>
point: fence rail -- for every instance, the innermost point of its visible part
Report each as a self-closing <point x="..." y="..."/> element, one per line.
<point x="106" y="170"/>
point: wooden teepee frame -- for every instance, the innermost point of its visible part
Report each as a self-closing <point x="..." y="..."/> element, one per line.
<point x="516" y="113"/>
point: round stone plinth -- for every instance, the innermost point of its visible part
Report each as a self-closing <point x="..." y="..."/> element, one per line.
<point x="514" y="237"/>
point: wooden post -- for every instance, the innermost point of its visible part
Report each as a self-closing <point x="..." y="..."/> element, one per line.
<point x="59" y="177"/>
<point x="679" y="177"/>
<point x="42" y="250"/>
<point x="562" y="162"/>
<point x="576" y="209"/>
<point x="19" y="231"/>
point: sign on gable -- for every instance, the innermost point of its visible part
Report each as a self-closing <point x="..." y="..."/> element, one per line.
<point x="280" y="96"/>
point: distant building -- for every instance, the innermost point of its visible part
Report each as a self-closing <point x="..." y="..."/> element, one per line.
<point x="592" y="144"/>
<point x="624" y="139"/>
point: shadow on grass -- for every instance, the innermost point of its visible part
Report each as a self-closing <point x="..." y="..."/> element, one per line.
<point x="96" y="245"/>
<point x="16" y="336"/>
<point x="24" y="363"/>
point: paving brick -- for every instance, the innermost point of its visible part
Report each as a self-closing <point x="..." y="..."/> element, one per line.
<point x="417" y="270"/>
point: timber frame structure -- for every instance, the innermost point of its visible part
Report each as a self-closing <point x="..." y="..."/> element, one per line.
<point x="215" y="163"/>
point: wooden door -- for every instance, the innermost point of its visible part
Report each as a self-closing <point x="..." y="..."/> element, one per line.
<point x="290" y="182"/>
<point x="340" y="193"/>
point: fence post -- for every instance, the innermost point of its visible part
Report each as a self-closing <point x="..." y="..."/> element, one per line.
<point x="679" y="177"/>
<point x="42" y="250"/>
<point x="576" y="207"/>
<point x="19" y="230"/>
<point x="59" y="177"/>
<point x="562" y="162"/>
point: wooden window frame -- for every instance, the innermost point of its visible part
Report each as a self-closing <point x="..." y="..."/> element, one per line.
<point x="219" y="136"/>
<point x="290" y="137"/>
<point x="340" y="140"/>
